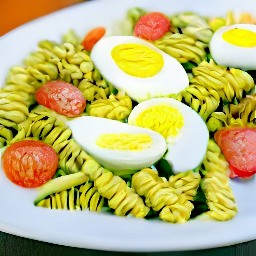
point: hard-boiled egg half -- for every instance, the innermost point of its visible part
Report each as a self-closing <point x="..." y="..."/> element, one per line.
<point x="138" y="68"/>
<point x="117" y="146"/>
<point x="185" y="131"/>
<point x="235" y="46"/>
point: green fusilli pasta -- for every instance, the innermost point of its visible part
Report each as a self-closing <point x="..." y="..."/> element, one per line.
<point x="182" y="47"/>
<point x="203" y="100"/>
<point x="243" y="113"/>
<point x="172" y="204"/>
<point x="6" y="135"/>
<point x="187" y="182"/>
<point x="229" y="83"/>
<point x="123" y="199"/>
<point x="211" y="83"/>
<point x="215" y="184"/>
<point x="76" y="198"/>
<point x="16" y="97"/>
<point x="116" y="107"/>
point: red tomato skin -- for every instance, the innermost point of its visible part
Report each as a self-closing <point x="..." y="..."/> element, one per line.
<point x="92" y="37"/>
<point x="29" y="163"/>
<point x="241" y="173"/>
<point x="238" y="145"/>
<point x="62" y="97"/>
<point x="152" y="26"/>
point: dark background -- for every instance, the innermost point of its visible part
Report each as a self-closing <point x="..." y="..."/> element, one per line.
<point x="17" y="246"/>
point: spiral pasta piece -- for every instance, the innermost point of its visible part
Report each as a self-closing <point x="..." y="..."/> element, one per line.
<point x="157" y="192"/>
<point x="179" y="212"/>
<point x="182" y="47"/>
<point x="244" y="110"/>
<point x="13" y="108"/>
<point x="229" y="84"/>
<point x="6" y="135"/>
<point x="215" y="184"/>
<point x="69" y="62"/>
<point x="172" y="204"/>
<point x="116" y="107"/>
<point x="123" y="199"/>
<point x="16" y="97"/>
<point x="193" y="25"/>
<point x="23" y="79"/>
<point x="83" y="197"/>
<point x="216" y="121"/>
<point x="243" y="113"/>
<point x="204" y="100"/>
<point x="187" y="182"/>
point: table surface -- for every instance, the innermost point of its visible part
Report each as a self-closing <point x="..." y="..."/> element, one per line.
<point x="18" y="246"/>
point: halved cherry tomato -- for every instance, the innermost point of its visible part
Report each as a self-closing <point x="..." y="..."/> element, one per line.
<point x="152" y="26"/>
<point x="92" y="37"/>
<point x="62" y="97"/>
<point x="238" y="145"/>
<point x="30" y="163"/>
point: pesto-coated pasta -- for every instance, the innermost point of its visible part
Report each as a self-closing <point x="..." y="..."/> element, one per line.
<point x="123" y="199"/>
<point x="211" y="83"/>
<point x="243" y="113"/>
<point x="172" y="205"/>
<point x="15" y="99"/>
<point x="156" y="190"/>
<point x="83" y="197"/>
<point x="116" y="107"/>
<point x="244" y="110"/>
<point x="229" y="83"/>
<point x="182" y="47"/>
<point x="6" y="135"/>
<point x="215" y="184"/>
<point x="203" y="100"/>
<point x="177" y="213"/>
<point x="187" y="182"/>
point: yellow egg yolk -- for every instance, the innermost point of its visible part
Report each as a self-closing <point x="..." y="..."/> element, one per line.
<point x="163" y="119"/>
<point x="240" y="37"/>
<point x="137" y="60"/>
<point x="124" y="141"/>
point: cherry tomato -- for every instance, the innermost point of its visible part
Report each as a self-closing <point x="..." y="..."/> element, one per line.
<point x="62" y="97"/>
<point x="92" y="37"/>
<point x="152" y="26"/>
<point x="238" y="145"/>
<point x="30" y="163"/>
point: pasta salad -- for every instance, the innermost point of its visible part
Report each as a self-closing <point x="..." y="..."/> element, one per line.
<point x="140" y="121"/>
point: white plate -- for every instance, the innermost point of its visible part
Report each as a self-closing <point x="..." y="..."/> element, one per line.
<point x="100" y="231"/>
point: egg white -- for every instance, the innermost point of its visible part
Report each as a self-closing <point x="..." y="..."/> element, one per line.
<point x="171" y="79"/>
<point x="226" y="54"/>
<point x="86" y="130"/>
<point x="187" y="150"/>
